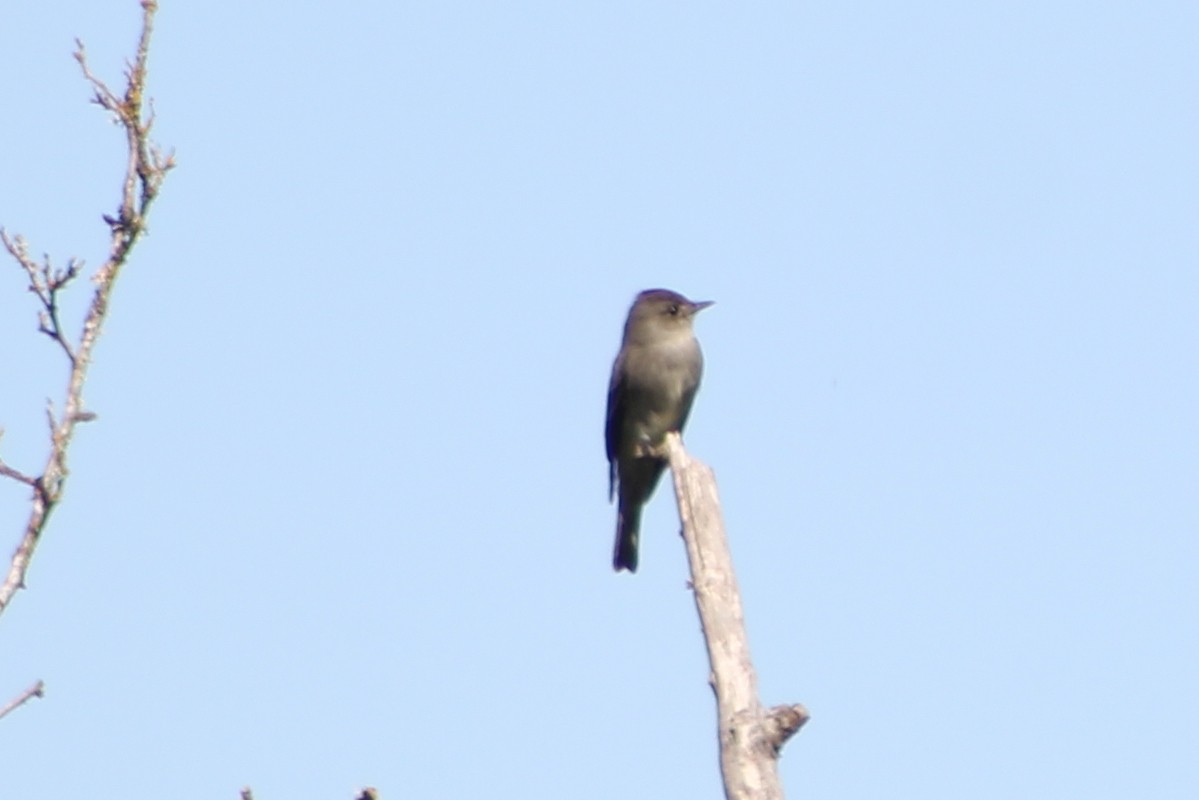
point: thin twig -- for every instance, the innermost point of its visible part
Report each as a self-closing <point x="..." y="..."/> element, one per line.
<point x="36" y="690"/>
<point x="16" y="475"/>
<point x="45" y="282"/>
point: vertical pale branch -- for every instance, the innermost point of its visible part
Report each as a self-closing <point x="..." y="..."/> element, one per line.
<point x="146" y="168"/>
<point x="751" y="736"/>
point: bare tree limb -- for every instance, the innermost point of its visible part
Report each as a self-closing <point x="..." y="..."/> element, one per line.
<point x="146" y="169"/>
<point x="750" y="736"/>
<point x="36" y="690"/>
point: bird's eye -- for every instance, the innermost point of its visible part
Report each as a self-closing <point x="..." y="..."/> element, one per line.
<point x="674" y="309"/>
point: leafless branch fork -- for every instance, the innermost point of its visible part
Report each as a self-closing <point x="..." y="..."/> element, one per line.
<point x="146" y="168"/>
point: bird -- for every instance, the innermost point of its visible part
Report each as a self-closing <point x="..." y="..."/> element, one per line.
<point x="654" y="379"/>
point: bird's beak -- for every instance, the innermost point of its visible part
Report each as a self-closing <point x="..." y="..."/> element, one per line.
<point x="697" y="307"/>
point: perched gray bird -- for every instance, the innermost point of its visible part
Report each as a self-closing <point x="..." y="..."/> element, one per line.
<point x="653" y="384"/>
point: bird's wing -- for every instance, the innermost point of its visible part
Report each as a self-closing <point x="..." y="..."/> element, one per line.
<point x="612" y="426"/>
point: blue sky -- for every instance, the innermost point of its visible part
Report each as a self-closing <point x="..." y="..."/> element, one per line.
<point x="342" y="519"/>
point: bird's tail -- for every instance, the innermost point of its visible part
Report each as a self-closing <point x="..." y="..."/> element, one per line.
<point x="628" y="521"/>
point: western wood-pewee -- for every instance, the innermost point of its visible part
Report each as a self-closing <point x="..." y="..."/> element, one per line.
<point x="653" y="384"/>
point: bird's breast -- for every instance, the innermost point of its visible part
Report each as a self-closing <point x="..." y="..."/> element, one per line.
<point x="660" y="381"/>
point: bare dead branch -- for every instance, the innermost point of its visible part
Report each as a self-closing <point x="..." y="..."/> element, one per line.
<point x="750" y="737"/>
<point x="146" y="168"/>
<point x="369" y="793"/>
<point x="36" y="690"/>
